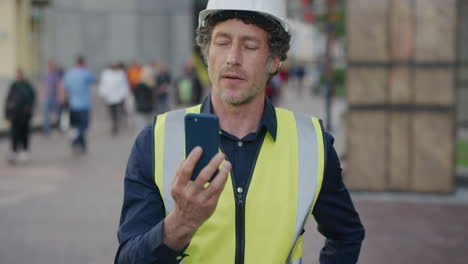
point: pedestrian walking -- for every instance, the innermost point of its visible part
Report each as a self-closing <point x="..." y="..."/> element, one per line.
<point x="188" y="86"/>
<point x="114" y="89"/>
<point x="134" y="74"/>
<point x="64" y="111"/>
<point x="273" y="89"/>
<point x="299" y="72"/>
<point x="281" y="166"/>
<point x="77" y="83"/>
<point x="163" y="82"/>
<point x="19" y="108"/>
<point x="50" y="87"/>
<point x="145" y="95"/>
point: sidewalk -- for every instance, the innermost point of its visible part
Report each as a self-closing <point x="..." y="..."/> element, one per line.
<point x="315" y="106"/>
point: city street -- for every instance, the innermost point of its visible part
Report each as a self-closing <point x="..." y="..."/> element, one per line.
<point x="60" y="209"/>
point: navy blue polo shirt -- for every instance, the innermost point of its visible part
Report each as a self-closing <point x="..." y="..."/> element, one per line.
<point x="141" y="221"/>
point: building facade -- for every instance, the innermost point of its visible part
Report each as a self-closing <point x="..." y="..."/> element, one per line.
<point x="20" y="38"/>
<point x="105" y="31"/>
<point x="108" y="31"/>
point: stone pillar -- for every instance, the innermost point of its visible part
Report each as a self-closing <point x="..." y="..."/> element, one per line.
<point x="23" y="36"/>
<point x="462" y="76"/>
<point x="401" y="94"/>
<point x="8" y="38"/>
<point x="15" y="46"/>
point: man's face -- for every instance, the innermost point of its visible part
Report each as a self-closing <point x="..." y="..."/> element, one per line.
<point x="238" y="61"/>
<point x="19" y="75"/>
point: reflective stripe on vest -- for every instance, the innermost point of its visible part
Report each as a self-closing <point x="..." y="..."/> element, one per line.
<point x="284" y="186"/>
<point x="297" y="261"/>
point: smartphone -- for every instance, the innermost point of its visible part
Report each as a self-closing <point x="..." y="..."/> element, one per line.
<point x="202" y="130"/>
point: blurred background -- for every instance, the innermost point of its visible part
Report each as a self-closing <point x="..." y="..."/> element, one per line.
<point x="389" y="78"/>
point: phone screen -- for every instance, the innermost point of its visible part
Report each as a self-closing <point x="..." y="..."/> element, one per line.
<point x="202" y="130"/>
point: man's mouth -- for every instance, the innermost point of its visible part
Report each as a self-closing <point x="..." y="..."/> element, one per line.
<point x="232" y="77"/>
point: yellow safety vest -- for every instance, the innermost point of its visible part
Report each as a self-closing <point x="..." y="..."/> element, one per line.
<point x="263" y="224"/>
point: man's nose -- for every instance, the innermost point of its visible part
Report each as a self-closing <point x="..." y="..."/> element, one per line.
<point x="234" y="56"/>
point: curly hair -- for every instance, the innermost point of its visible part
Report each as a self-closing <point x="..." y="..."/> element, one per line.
<point x="278" y="38"/>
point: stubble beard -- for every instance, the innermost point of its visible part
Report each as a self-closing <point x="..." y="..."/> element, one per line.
<point x="245" y="97"/>
<point x="242" y="99"/>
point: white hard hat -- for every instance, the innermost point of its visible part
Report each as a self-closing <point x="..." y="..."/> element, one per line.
<point x="275" y="9"/>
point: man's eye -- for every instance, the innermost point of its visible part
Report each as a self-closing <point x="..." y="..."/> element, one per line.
<point x="251" y="47"/>
<point x="221" y="43"/>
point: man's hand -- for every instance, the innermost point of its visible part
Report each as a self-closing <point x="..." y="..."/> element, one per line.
<point x="194" y="202"/>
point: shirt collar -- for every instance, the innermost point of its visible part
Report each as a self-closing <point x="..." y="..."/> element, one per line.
<point x="268" y="117"/>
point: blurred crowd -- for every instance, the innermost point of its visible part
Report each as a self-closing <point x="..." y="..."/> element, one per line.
<point x="132" y="92"/>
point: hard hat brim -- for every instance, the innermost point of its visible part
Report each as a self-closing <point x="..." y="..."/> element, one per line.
<point x="208" y="12"/>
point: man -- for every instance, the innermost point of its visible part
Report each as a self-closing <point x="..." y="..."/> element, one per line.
<point x="280" y="169"/>
<point x="19" y="106"/>
<point x="77" y="83"/>
<point x="188" y="87"/>
<point x="50" y="86"/>
<point x="114" y="89"/>
<point x="144" y="95"/>
<point x="163" y="81"/>
<point x="134" y="74"/>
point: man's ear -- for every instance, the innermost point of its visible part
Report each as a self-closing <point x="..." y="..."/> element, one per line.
<point x="275" y="65"/>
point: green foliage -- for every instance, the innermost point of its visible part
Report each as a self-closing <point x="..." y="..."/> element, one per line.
<point x="462" y="153"/>
<point x="339" y="79"/>
<point x="339" y="20"/>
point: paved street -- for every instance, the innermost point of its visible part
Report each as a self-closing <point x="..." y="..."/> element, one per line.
<point x="60" y="209"/>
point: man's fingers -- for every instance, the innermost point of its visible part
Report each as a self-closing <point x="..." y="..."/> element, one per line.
<point x="184" y="173"/>
<point x="208" y="171"/>
<point x="174" y="180"/>
<point x="218" y="183"/>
